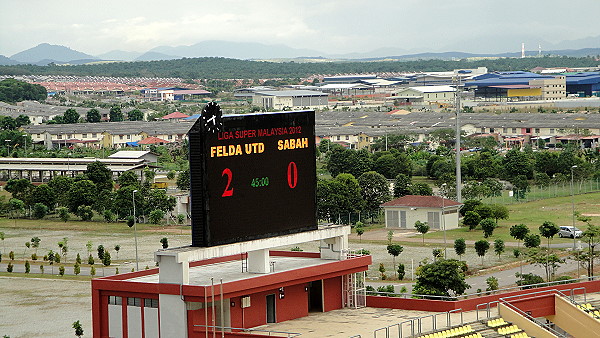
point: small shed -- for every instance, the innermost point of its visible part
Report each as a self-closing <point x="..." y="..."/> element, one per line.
<point x="403" y="212"/>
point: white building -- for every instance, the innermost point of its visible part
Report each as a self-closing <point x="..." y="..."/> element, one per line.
<point x="403" y="212"/>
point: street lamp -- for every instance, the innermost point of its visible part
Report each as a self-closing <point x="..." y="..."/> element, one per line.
<point x="573" y="204"/>
<point x="8" y="147"/>
<point x="137" y="267"/>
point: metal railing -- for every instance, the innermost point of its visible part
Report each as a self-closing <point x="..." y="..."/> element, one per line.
<point x="219" y="330"/>
<point x="416" y="324"/>
<point x="483" y="293"/>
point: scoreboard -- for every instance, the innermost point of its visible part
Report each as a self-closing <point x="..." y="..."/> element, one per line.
<point x="252" y="176"/>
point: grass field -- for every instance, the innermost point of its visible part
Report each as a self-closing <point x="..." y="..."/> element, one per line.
<point x="533" y="214"/>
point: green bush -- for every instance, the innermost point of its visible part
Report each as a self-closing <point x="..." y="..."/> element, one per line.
<point x="40" y="210"/>
<point x="34" y="257"/>
<point x="156" y="216"/>
<point x="76" y="269"/>
<point x="401" y="271"/>
<point x="90" y="260"/>
<point x="9" y="268"/>
<point x="61" y="270"/>
<point x="27" y="267"/>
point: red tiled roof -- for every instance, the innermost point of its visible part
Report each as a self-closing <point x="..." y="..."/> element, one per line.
<point x="152" y="140"/>
<point x="420" y="201"/>
<point x="175" y="115"/>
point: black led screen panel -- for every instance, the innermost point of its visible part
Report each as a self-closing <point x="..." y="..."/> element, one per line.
<point x="252" y="176"/>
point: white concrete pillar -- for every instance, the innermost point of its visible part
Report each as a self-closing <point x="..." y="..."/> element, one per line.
<point x="332" y="248"/>
<point x="258" y="261"/>
<point x="172" y="309"/>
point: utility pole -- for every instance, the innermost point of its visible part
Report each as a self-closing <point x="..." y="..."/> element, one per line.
<point x="457" y="143"/>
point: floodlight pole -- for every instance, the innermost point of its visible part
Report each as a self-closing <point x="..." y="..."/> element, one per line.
<point x="573" y="204"/>
<point x="8" y="147"/>
<point x="137" y="267"/>
<point x="444" y="220"/>
<point x="457" y="143"/>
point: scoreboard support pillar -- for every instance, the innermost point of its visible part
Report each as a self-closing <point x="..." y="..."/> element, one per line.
<point x="333" y="248"/>
<point x="173" y="323"/>
<point x="258" y="261"/>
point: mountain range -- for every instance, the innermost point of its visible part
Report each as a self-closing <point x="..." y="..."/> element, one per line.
<point x="44" y="54"/>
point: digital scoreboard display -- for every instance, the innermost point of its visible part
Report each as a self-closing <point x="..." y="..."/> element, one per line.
<point x="252" y="176"/>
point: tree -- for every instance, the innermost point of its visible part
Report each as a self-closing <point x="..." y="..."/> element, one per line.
<point x="591" y="236"/>
<point x="19" y="188"/>
<point x="106" y="258"/>
<point x="43" y="194"/>
<point x="27" y="266"/>
<point x="117" y="248"/>
<point x="422" y="227"/>
<point x="471" y="219"/>
<point x="517" y="163"/>
<point x="78" y="259"/>
<point x="441" y="277"/>
<point x="469" y="205"/>
<point x="91" y="260"/>
<point x="484" y="211"/>
<point x="401" y="271"/>
<point x="156" y="216"/>
<point x="402" y="185"/>
<point x="61" y="185"/>
<point x="82" y="192"/>
<point x="549" y="262"/>
<point x="135" y="115"/>
<point x="422" y="189"/>
<point x="165" y="242"/>
<point x="85" y="212"/>
<point x="183" y="180"/>
<point x="382" y="271"/>
<point x="39" y="211"/>
<point x="532" y="240"/>
<point x="35" y="243"/>
<point x="93" y="271"/>
<point x="395" y="250"/>
<point x="115" y="113"/>
<point x="77" y="269"/>
<point x="374" y="190"/>
<point x="99" y="173"/>
<point x="78" y="329"/>
<point x="498" y="247"/>
<point x="70" y="116"/>
<point x="499" y="211"/>
<point x="63" y="214"/>
<point x="520" y="186"/>
<point x="548" y="229"/>
<point x="89" y="246"/>
<point x="359" y="230"/>
<point x="488" y="225"/>
<point x="528" y="279"/>
<point x="492" y="283"/>
<point x="481" y="247"/>
<point x="100" y="251"/>
<point x="460" y="247"/>
<point x="93" y="116"/>
<point x="518" y="232"/>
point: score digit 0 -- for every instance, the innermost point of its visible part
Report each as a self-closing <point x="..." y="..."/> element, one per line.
<point x="292" y="175"/>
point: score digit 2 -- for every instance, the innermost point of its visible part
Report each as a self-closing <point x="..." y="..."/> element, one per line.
<point x="228" y="189"/>
<point x="292" y="175"/>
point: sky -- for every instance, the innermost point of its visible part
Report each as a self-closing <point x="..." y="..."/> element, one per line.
<point x="330" y="26"/>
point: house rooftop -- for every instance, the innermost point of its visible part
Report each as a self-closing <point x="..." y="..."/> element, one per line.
<point x="421" y="201"/>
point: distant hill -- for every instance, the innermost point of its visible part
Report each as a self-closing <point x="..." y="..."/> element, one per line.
<point x="45" y="51"/>
<point x="236" y="50"/>
<point x="5" y="61"/>
<point x="119" y="55"/>
<point x="156" y="56"/>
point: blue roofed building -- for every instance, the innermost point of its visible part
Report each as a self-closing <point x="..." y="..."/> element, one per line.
<point x="518" y="86"/>
<point x="583" y="84"/>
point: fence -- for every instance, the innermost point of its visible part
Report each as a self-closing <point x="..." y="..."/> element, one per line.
<point x="535" y="193"/>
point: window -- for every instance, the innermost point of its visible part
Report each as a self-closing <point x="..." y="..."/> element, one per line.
<point x="433" y="218"/>
<point x="170" y="137"/>
<point x="134" y="302"/>
<point x="483" y="130"/>
<point x="338" y="138"/>
<point x="120" y="137"/>
<point x="151" y="302"/>
<point x="403" y="219"/>
<point x="114" y="300"/>
<point x="59" y="137"/>
<point x="69" y="136"/>
<point x="505" y="130"/>
<point x="392" y="219"/>
<point x="83" y="135"/>
<point x="551" y="130"/>
<point x="129" y="137"/>
<point x="347" y="137"/>
<point x="537" y="130"/>
<point x="491" y="130"/>
<point x="94" y="135"/>
<point x="514" y="130"/>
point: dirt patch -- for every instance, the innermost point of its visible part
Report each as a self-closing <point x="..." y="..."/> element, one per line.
<point x="591" y="215"/>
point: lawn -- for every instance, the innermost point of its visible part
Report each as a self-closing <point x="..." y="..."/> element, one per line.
<point x="533" y="214"/>
<point x="97" y="227"/>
